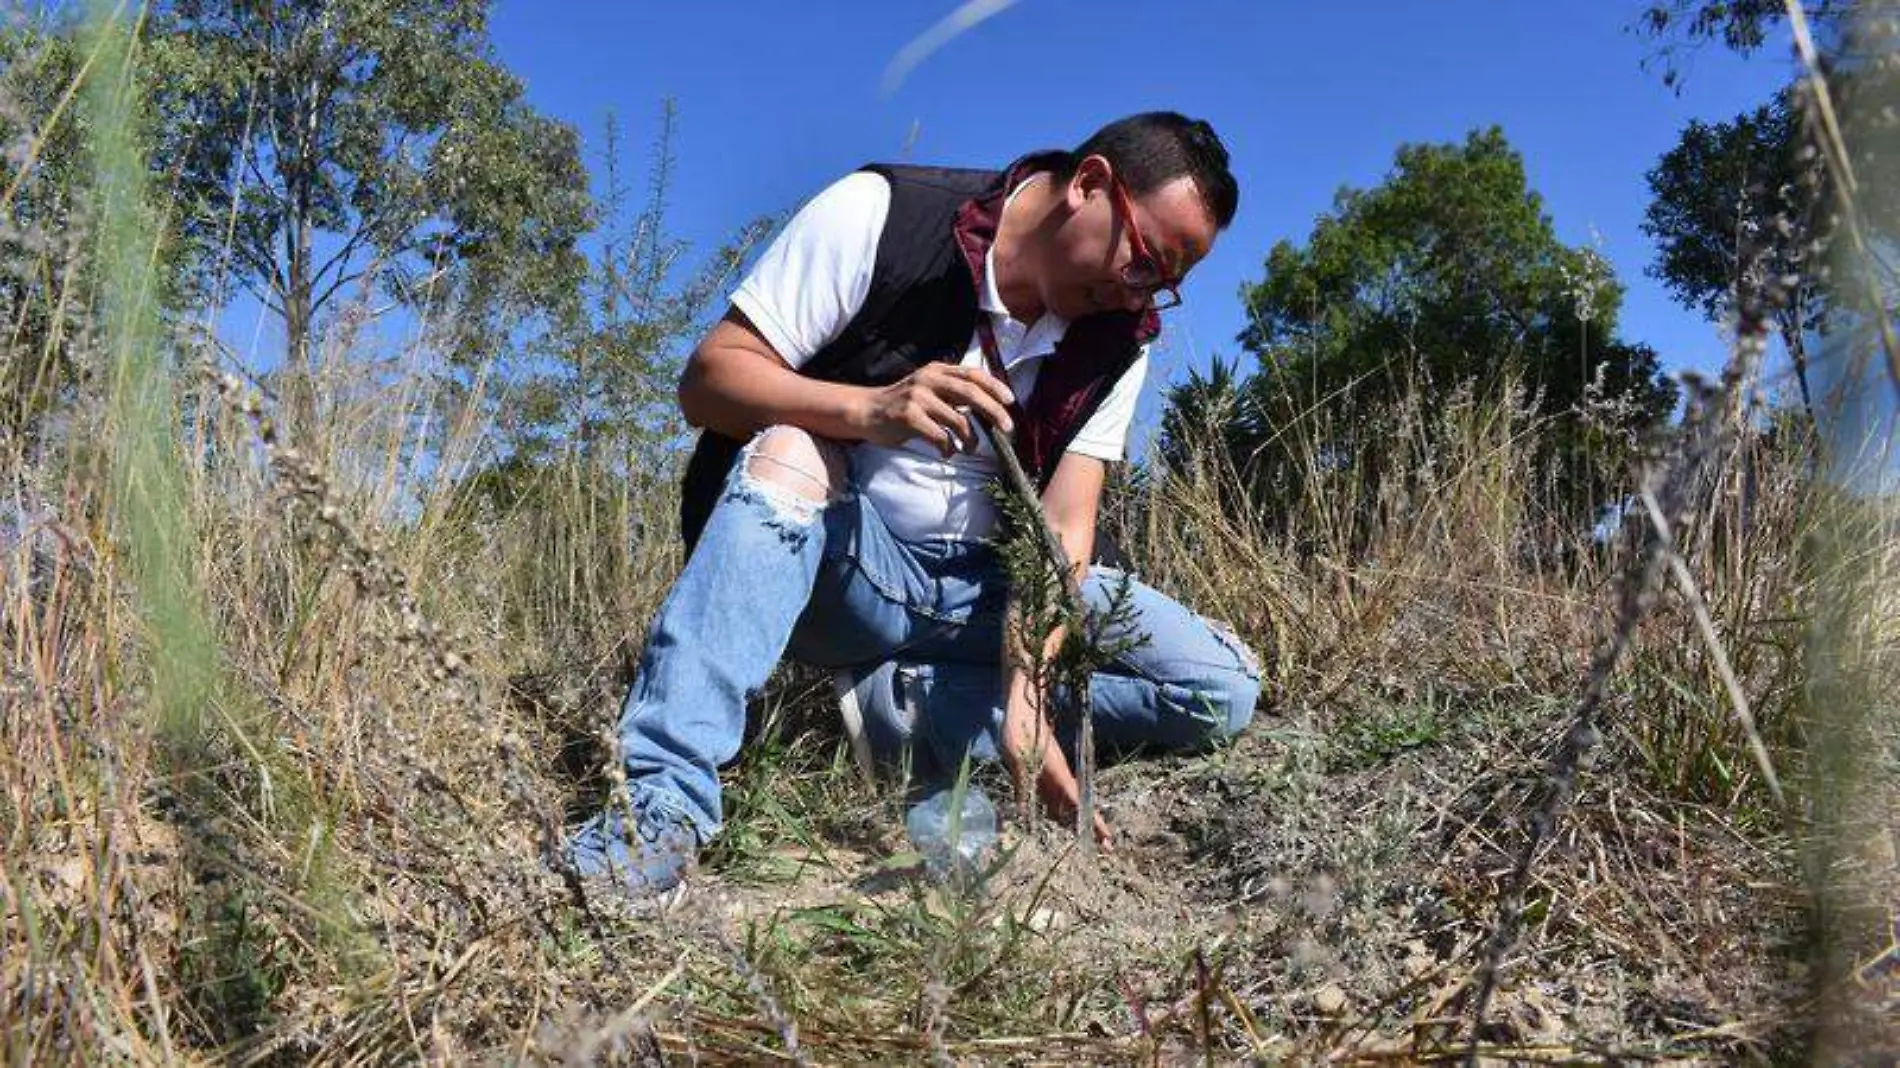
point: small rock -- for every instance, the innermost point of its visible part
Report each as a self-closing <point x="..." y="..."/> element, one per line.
<point x="71" y="873"/>
<point x="1330" y="1000"/>
<point x="1041" y="921"/>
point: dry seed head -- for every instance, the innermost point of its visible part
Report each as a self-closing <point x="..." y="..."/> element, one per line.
<point x="363" y="560"/>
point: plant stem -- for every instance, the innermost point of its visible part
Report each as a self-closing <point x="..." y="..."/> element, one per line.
<point x="1019" y="484"/>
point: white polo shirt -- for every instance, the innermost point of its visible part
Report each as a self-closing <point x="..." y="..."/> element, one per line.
<point x="809" y="285"/>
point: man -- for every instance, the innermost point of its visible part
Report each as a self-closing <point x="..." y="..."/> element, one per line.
<point x="838" y="506"/>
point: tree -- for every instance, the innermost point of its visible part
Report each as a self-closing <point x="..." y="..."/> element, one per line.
<point x="1764" y="203"/>
<point x="1447" y="275"/>
<point x="48" y="298"/>
<point x="44" y="178"/>
<point x="1739" y="189"/>
<point x="1449" y="271"/>
<point x="607" y="388"/>
<point x="600" y="397"/>
<point x="373" y="146"/>
<point x="1742" y="26"/>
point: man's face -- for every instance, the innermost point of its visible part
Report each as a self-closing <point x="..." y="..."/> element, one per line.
<point x="1116" y="251"/>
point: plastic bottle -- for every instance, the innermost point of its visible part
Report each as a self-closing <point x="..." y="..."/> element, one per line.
<point x="930" y="832"/>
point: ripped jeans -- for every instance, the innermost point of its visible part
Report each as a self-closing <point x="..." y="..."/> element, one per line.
<point x="776" y="571"/>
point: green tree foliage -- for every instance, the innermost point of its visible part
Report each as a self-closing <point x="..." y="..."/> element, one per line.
<point x="1447" y="275"/>
<point x="610" y="389"/>
<point x="606" y="387"/>
<point x="48" y="290"/>
<point x="43" y="176"/>
<point x="1742" y="25"/>
<point x="1742" y="188"/>
<point x="374" y="147"/>
<point x="1772" y="195"/>
<point x="1681" y="26"/>
<point x="600" y="398"/>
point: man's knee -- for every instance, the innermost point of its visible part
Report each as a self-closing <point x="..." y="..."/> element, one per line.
<point x="796" y="471"/>
<point x="1217" y="707"/>
<point x="1241" y="683"/>
<point x="1243" y="693"/>
<point x="1217" y="702"/>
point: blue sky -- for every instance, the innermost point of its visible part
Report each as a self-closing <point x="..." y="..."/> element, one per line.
<point x="775" y="100"/>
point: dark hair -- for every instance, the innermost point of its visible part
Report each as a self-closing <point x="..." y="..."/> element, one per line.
<point x="1156" y="147"/>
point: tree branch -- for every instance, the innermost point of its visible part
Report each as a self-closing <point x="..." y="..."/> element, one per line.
<point x="330" y="290"/>
<point x="340" y="261"/>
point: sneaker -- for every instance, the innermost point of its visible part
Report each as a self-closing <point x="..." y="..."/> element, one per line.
<point x="875" y="720"/>
<point x="654" y="858"/>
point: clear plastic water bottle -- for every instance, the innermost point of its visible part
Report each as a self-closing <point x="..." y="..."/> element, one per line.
<point x="931" y="834"/>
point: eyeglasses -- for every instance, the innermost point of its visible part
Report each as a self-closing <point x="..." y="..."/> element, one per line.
<point x="1142" y="271"/>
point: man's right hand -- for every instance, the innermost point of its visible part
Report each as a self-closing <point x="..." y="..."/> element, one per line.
<point x="938" y="402"/>
<point x="1062" y="800"/>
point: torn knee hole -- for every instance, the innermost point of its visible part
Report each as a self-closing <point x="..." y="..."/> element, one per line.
<point x="793" y="473"/>
<point x="765" y="469"/>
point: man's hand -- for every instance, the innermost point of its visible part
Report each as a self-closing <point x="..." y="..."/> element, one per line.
<point x="938" y="402"/>
<point x="1062" y="799"/>
<point x="1030" y="749"/>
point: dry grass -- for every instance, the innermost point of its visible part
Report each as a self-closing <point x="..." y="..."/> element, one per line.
<point x="335" y="853"/>
<point x="345" y="861"/>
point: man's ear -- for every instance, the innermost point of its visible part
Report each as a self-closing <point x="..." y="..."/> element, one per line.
<point x="1091" y="176"/>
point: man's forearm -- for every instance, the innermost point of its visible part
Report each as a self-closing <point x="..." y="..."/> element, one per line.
<point x="1030" y="749"/>
<point x="740" y="393"/>
<point x="1028" y="728"/>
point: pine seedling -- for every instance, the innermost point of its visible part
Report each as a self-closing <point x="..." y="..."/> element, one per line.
<point x="1046" y="598"/>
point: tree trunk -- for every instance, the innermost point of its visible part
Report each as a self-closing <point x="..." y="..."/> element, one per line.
<point x="300" y="170"/>
<point x="1798" y="356"/>
<point x="297" y="301"/>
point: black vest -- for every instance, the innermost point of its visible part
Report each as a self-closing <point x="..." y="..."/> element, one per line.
<point x="922" y="306"/>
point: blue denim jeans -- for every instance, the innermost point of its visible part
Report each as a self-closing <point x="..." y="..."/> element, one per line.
<point x="834" y="588"/>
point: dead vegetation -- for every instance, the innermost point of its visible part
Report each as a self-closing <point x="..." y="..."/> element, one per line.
<point x="345" y="863"/>
<point x="336" y="852"/>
